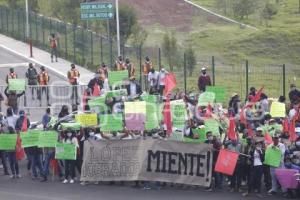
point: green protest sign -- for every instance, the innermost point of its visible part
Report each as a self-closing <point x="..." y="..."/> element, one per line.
<point x="16" y="84"/>
<point x="117" y="77"/>
<point x="8" y="141"/>
<point x="177" y="136"/>
<point x="30" y="138"/>
<point x="201" y="136"/>
<point x="273" y="156"/>
<point x="73" y="126"/>
<point x="111" y="122"/>
<point x="48" y="139"/>
<point x="218" y="91"/>
<point x="99" y="102"/>
<point x="116" y="93"/>
<point x="212" y="125"/>
<point x="151" y="116"/>
<point x="206" y="98"/>
<point x="179" y="113"/>
<point x="65" y="151"/>
<point x="149" y="98"/>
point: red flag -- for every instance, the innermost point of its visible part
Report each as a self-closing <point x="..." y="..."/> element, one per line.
<point x="268" y="139"/>
<point x="250" y="132"/>
<point x="231" y="129"/>
<point x="226" y="162"/>
<point x="167" y="116"/>
<point x="20" y="153"/>
<point x="170" y="83"/>
<point x="96" y="90"/>
<point x="256" y="98"/>
<point x="24" y="124"/>
<point x="208" y="112"/>
<point x="285" y="125"/>
<point x="242" y="117"/>
<point x="293" y="136"/>
<point x="54" y="165"/>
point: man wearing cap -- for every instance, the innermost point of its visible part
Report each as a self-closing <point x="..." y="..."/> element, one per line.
<point x="73" y="76"/>
<point x="294" y="94"/>
<point x="43" y="79"/>
<point x="204" y="80"/>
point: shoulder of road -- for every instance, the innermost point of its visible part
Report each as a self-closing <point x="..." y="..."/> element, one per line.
<point x="42" y="58"/>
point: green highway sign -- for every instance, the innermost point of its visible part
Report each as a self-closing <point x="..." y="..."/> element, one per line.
<point x="96" y="10"/>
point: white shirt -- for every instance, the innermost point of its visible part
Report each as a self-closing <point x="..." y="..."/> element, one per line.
<point x="132" y="89"/>
<point x="161" y="78"/>
<point x="257" y="160"/>
<point x="73" y="141"/>
<point x="10" y="121"/>
<point x="153" y="78"/>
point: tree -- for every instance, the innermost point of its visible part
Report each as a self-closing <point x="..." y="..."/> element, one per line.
<point x="242" y="8"/>
<point x="128" y="20"/>
<point x="170" y="49"/>
<point x="17" y="4"/>
<point x="190" y="60"/>
<point x="138" y="36"/>
<point x="268" y="12"/>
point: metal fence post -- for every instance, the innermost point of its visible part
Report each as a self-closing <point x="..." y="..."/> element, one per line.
<point x="283" y="79"/>
<point x="184" y="71"/>
<point x="140" y="58"/>
<point x="74" y="49"/>
<point x="92" y="52"/>
<point x="111" y="56"/>
<point x="101" y="49"/>
<point x="159" y="59"/>
<point x="36" y="29"/>
<point x="213" y="70"/>
<point x="66" y="42"/>
<point x="247" y="77"/>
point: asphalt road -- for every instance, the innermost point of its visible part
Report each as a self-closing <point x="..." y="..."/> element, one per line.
<point x="35" y="110"/>
<point x="27" y="189"/>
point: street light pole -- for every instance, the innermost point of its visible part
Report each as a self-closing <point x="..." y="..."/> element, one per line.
<point x="27" y="28"/>
<point x="118" y="27"/>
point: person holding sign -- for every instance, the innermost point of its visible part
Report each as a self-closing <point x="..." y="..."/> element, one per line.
<point x="11" y="75"/>
<point x="13" y="99"/>
<point x="73" y="76"/>
<point x="204" y="80"/>
<point x="70" y="138"/>
<point x="130" y="67"/>
<point x="120" y="65"/>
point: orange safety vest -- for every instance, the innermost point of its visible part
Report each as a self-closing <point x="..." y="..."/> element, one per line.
<point x="73" y="75"/>
<point x="11" y="76"/>
<point x="53" y="43"/>
<point x="43" y="78"/>
<point x="147" y="67"/>
<point x="120" y="66"/>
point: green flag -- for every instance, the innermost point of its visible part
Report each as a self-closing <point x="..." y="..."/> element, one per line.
<point x="111" y="122"/>
<point x="74" y="126"/>
<point x="212" y="125"/>
<point x="16" y="84"/>
<point x="273" y="156"/>
<point x="179" y="113"/>
<point x="206" y="98"/>
<point x="30" y="138"/>
<point x="8" y="141"/>
<point x="117" y="77"/>
<point x="219" y="93"/>
<point x="65" y="151"/>
<point x="48" y="139"/>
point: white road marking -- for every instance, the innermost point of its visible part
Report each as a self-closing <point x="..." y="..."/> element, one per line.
<point x="33" y="196"/>
<point x="14" y="65"/>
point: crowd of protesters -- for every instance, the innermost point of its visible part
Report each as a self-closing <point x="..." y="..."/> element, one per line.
<point x="249" y="117"/>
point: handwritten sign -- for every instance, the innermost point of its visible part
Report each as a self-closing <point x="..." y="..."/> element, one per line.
<point x="16" y="84"/>
<point x="135" y="107"/>
<point x="87" y="119"/>
<point x="206" y="98"/>
<point x="277" y="109"/>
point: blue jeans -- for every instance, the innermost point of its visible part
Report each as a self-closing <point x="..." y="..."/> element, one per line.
<point x="13" y="163"/>
<point x="48" y="157"/>
<point x="36" y="164"/>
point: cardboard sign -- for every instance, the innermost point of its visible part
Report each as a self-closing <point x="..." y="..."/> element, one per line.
<point x="273" y="156"/>
<point x="87" y="119"/>
<point x="206" y="98"/>
<point x="116" y="93"/>
<point x="16" y="84"/>
<point x="226" y="162"/>
<point x="219" y="92"/>
<point x="277" y="109"/>
<point x="74" y="126"/>
<point x="48" y="139"/>
<point x="65" y="151"/>
<point x="179" y="113"/>
<point x="30" y="138"/>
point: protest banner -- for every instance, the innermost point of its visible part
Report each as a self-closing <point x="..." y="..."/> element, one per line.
<point x="226" y="162"/>
<point x="212" y="125"/>
<point x="30" y="138"/>
<point x="117" y="77"/>
<point x="206" y="98"/>
<point x="74" y="126"/>
<point x="86" y="120"/>
<point x="178" y="113"/>
<point x="48" y="139"/>
<point x="65" y="151"/>
<point x="277" y="109"/>
<point x="151" y="116"/>
<point x="177" y="136"/>
<point x="16" y="84"/>
<point x="111" y="122"/>
<point x="287" y="178"/>
<point x="219" y="93"/>
<point x="273" y="156"/>
<point x="8" y="141"/>
<point x="135" y="107"/>
<point x="147" y="160"/>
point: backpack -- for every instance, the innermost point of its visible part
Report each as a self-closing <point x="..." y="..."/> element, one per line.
<point x="32" y="74"/>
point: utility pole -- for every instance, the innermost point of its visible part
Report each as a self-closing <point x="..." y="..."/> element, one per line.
<point x="118" y="27"/>
<point x="27" y="28"/>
